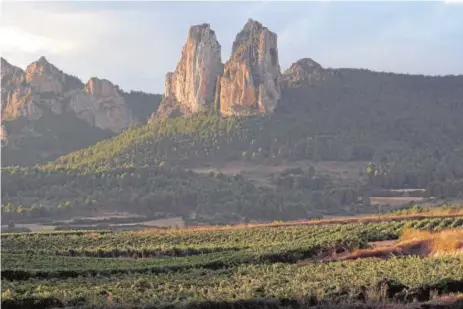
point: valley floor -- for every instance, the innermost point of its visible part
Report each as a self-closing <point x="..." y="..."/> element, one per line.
<point x="397" y="261"/>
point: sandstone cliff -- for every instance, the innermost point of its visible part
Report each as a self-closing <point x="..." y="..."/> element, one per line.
<point x="250" y="82"/>
<point x="12" y="72"/>
<point x="43" y="88"/>
<point x="12" y="77"/>
<point x="191" y="88"/>
<point x="101" y="104"/>
<point x="16" y="93"/>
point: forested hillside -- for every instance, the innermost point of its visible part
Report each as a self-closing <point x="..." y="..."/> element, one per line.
<point x="411" y="137"/>
<point x="32" y="193"/>
<point x="407" y="127"/>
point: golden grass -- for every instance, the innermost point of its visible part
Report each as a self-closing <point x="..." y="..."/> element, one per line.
<point x="434" y="243"/>
<point x="414" y="242"/>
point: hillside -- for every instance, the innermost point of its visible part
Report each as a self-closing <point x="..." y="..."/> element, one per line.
<point x="47" y="113"/>
<point x="51" y="193"/>
<point x="402" y="131"/>
<point x="412" y="139"/>
<point x="411" y="134"/>
<point x="408" y="126"/>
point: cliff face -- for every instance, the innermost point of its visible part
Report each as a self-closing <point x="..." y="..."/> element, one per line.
<point x="44" y="88"/>
<point x="191" y="88"/>
<point x="14" y="91"/>
<point x="44" y="77"/>
<point x="11" y="73"/>
<point x="247" y="84"/>
<point x="102" y="105"/>
<point x="250" y="82"/>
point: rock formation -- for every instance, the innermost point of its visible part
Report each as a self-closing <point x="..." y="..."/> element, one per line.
<point x="12" y="77"/>
<point x="101" y="104"/>
<point x="43" y="88"/>
<point x="306" y="72"/>
<point x="247" y="84"/>
<point x="191" y="88"/>
<point x="12" y="72"/>
<point x="42" y="76"/>
<point x="250" y="82"/>
<point x="16" y="93"/>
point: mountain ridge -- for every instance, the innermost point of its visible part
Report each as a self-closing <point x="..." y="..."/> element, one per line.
<point x="304" y="87"/>
<point x="404" y="131"/>
<point x="42" y="91"/>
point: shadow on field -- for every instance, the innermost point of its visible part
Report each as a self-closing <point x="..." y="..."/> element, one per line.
<point x="386" y="294"/>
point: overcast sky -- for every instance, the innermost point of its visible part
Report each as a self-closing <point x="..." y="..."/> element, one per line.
<point x="134" y="44"/>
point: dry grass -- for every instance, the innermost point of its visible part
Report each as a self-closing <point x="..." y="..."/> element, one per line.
<point x="414" y="242"/>
<point x="434" y="243"/>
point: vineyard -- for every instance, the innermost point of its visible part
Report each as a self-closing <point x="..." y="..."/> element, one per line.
<point x="282" y="266"/>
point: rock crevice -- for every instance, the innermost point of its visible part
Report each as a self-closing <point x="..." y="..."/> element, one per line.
<point x="191" y="88"/>
<point x="247" y="84"/>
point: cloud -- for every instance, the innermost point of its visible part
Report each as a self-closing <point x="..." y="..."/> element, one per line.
<point x="68" y="31"/>
<point x="122" y="45"/>
<point x="18" y="40"/>
<point x="134" y="44"/>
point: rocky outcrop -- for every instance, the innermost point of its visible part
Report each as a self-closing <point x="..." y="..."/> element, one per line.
<point x="43" y="88"/>
<point x="44" y="77"/>
<point x="11" y="72"/>
<point x="247" y="84"/>
<point x="11" y="77"/>
<point x="16" y="93"/>
<point x="102" y="105"/>
<point x="191" y="88"/>
<point x="306" y="72"/>
<point x="27" y="93"/>
<point x="250" y="82"/>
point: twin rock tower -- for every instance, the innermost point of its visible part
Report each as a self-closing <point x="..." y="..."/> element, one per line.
<point x="248" y="83"/>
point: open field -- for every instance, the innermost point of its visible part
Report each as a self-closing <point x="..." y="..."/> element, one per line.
<point x="394" y="201"/>
<point x="343" y="173"/>
<point x="347" y="172"/>
<point x="110" y="221"/>
<point x="279" y="265"/>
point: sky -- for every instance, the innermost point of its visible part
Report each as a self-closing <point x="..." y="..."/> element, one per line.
<point x="134" y="44"/>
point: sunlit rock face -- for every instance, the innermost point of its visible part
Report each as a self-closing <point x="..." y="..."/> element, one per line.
<point x="191" y="88"/>
<point x="101" y="104"/>
<point x="43" y="88"/>
<point x="250" y="81"/>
